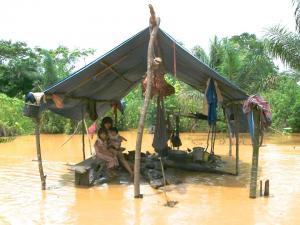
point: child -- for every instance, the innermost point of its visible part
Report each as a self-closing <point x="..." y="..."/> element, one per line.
<point x="102" y="152"/>
<point x="115" y="146"/>
<point x="115" y="139"/>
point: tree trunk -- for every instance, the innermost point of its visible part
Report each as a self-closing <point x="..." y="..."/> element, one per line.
<point x="154" y="24"/>
<point x="38" y="152"/>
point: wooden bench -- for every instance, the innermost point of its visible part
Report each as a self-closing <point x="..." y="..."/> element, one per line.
<point x="85" y="174"/>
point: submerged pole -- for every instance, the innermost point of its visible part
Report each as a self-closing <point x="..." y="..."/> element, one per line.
<point x="38" y="152"/>
<point x="83" y="131"/>
<point x="228" y="132"/>
<point x="237" y="140"/>
<point x="154" y="24"/>
<point x="255" y="146"/>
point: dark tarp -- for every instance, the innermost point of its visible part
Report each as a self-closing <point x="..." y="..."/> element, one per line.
<point x="111" y="77"/>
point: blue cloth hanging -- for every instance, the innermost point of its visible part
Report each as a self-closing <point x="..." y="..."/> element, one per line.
<point x="251" y="125"/>
<point x="212" y="102"/>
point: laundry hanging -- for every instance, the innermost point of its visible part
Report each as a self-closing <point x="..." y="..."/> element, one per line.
<point x="212" y="102"/>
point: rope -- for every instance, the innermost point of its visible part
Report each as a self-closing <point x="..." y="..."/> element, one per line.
<point x="71" y="135"/>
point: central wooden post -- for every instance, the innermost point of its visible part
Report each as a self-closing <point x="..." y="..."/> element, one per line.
<point x="154" y="24"/>
<point x="38" y="152"/>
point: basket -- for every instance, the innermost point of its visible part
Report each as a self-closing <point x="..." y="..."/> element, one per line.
<point x="31" y="110"/>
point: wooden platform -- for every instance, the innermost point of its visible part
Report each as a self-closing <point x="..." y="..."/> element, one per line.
<point x="85" y="171"/>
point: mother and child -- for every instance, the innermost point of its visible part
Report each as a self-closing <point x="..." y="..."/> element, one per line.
<point x="108" y="147"/>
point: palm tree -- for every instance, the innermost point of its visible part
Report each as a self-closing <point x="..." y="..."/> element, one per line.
<point x="284" y="44"/>
<point x="297" y="14"/>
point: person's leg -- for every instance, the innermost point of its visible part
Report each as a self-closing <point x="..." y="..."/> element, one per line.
<point x="124" y="163"/>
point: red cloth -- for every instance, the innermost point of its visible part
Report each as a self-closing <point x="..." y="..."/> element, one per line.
<point x="92" y="129"/>
<point x="261" y="103"/>
<point x="58" y="101"/>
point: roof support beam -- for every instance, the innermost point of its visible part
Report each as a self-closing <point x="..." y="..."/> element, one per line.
<point x="110" y="67"/>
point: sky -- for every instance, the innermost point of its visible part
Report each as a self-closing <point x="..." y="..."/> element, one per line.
<point x="104" y="24"/>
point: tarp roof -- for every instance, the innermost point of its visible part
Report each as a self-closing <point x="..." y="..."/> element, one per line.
<point x="113" y="75"/>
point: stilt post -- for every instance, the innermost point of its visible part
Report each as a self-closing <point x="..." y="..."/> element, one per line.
<point x="154" y="24"/>
<point x="38" y="152"/>
<point x="237" y="139"/>
<point x="267" y="188"/>
<point x="228" y="132"/>
<point x="255" y="154"/>
<point x="83" y="132"/>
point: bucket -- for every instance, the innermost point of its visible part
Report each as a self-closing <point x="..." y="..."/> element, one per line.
<point x="31" y="110"/>
<point x="205" y="156"/>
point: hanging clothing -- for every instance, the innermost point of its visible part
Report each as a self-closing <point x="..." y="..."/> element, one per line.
<point x="58" y="101"/>
<point x="35" y="98"/>
<point x="160" y="134"/>
<point x="257" y="100"/>
<point x="92" y="129"/>
<point x="212" y="102"/>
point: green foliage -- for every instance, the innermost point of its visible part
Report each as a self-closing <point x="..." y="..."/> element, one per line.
<point x="12" y="121"/>
<point x="18" y="68"/>
<point x="284" y="98"/>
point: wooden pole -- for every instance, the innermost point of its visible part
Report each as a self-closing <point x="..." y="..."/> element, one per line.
<point x="154" y="24"/>
<point x="228" y="132"/>
<point x="237" y="139"/>
<point x="83" y="132"/>
<point x="267" y="187"/>
<point x="38" y="152"/>
<point x="260" y="188"/>
<point x="255" y="146"/>
<point x="116" y="116"/>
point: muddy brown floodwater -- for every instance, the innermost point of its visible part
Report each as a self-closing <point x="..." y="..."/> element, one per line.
<point x="202" y="198"/>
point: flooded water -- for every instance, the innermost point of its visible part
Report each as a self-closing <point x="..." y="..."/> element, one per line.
<point x="202" y="198"/>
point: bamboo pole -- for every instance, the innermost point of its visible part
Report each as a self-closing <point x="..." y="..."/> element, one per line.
<point x="237" y="140"/>
<point x="38" y="152"/>
<point x="154" y="24"/>
<point x="255" y="146"/>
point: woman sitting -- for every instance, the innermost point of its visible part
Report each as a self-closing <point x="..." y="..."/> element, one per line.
<point x="106" y="126"/>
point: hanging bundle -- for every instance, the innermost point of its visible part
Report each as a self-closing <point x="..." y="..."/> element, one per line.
<point x="175" y="139"/>
<point x="160" y="87"/>
<point x="160" y="140"/>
